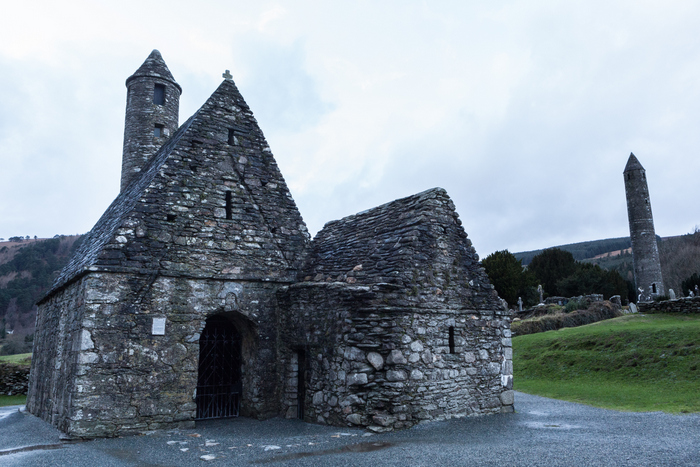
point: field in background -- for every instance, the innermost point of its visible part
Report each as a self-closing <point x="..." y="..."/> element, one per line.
<point x="22" y="358"/>
<point x="635" y="363"/>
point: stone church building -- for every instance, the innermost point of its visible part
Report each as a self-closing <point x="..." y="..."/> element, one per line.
<point x="199" y="294"/>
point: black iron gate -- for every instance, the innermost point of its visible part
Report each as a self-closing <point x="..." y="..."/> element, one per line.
<point x="219" y="378"/>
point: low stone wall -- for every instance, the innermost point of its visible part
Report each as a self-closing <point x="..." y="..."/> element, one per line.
<point x="595" y="312"/>
<point x="13" y="379"/>
<point x="679" y="305"/>
<point x="584" y="300"/>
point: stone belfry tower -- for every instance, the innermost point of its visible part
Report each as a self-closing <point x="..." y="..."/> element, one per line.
<point x="152" y="108"/>
<point x="647" y="267"/>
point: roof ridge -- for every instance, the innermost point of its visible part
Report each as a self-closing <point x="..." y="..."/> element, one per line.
<point x="423" y="195"/>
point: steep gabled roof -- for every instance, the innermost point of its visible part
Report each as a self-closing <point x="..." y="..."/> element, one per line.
<point x="395" y="242"/>
<point x="632" y="164"/>
<point x="213" y="191"/>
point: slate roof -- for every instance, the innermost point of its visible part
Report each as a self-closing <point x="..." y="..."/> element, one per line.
<point x="632" y="164"/>
<point x="400" y="242"/>
<point x="154" y="66"/>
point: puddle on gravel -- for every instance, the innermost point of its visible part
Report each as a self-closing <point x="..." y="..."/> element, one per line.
<point x="557" y="426"/>
<point x="359" y="447"/>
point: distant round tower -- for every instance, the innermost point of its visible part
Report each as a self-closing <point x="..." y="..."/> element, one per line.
<point x="647" y="267"/>
<point x="152" y="108"/>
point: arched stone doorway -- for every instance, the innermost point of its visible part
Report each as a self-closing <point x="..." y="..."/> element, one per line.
<point x="219" y="374"/>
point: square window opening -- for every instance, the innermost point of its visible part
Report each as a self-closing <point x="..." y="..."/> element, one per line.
<point x="158" y="131"/>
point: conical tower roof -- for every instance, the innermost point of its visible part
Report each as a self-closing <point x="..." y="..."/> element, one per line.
<point x="154" y="67"/>
<point x="633" y="164"/>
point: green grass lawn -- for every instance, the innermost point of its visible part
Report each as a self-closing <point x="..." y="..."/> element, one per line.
<point x="12" y="400"/>
<point x="22" y="358"/>
<point x="635" y="362"/>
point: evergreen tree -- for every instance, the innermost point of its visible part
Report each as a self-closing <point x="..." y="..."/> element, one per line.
<point x="509" y="278"/>
<point x="550" y="266"/>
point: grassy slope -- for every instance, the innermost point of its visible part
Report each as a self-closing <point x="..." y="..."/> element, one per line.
<point x="12" y="400"/>
<point x="22" y="359"/>
<point x="635" y="362"/>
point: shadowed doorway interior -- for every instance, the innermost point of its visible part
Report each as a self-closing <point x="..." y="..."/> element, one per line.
<point x="219" y="376"/>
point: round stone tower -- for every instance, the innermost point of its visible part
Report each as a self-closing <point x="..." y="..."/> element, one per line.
<point x="647" y="267"/>
<point x="152" y="108"/>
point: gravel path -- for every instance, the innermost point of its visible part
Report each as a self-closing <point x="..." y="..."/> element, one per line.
<point x="543" y="432"/>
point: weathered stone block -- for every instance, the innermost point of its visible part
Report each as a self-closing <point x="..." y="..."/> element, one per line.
<point x="396" y="375"/>
<point x="508" y="397"/>
<point x="396" y="357"/>
<point x="375" y="360"/>
<point x="355" y="379"/>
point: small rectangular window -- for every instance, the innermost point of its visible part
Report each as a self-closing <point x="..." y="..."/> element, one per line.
<point x="230" y="136"/>
<point x="159" y="94"/>
<point x="158" y="131"/>
<point x="451" y="339"/>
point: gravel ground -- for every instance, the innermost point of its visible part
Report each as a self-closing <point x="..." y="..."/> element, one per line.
<point x="543" y="432"/>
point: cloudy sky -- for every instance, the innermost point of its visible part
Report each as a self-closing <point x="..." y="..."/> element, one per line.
<point x="525" y="111"/>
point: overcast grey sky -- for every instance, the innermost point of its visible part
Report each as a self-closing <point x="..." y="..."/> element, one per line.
<point x="524" y="111"/>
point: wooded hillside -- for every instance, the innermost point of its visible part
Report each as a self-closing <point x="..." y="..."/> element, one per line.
<point x="27" y="269"/>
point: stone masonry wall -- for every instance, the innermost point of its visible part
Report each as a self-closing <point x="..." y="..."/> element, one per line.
<point x="14" y="379"/>
<point x="387" y="367"/>
<point x="679" y="305"/>
<point x="126" y="379"/>
<point x="55" y="354"/>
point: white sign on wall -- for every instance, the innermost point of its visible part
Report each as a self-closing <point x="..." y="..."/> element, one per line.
<point x="158" y="328"/>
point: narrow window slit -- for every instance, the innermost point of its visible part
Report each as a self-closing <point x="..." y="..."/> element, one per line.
<point x="452" y="339"/>
<point x="229" y="210"/>
<point x="230" y="136"/>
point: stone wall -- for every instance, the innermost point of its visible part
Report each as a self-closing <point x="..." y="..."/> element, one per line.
<point x="119" y="377"/>
<point x="386" y="367"/>
<point x="583" y="300"/>
<point x="13" y="379"/>
<point x="679" y="305"/>
<point x="55" y="354"/>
